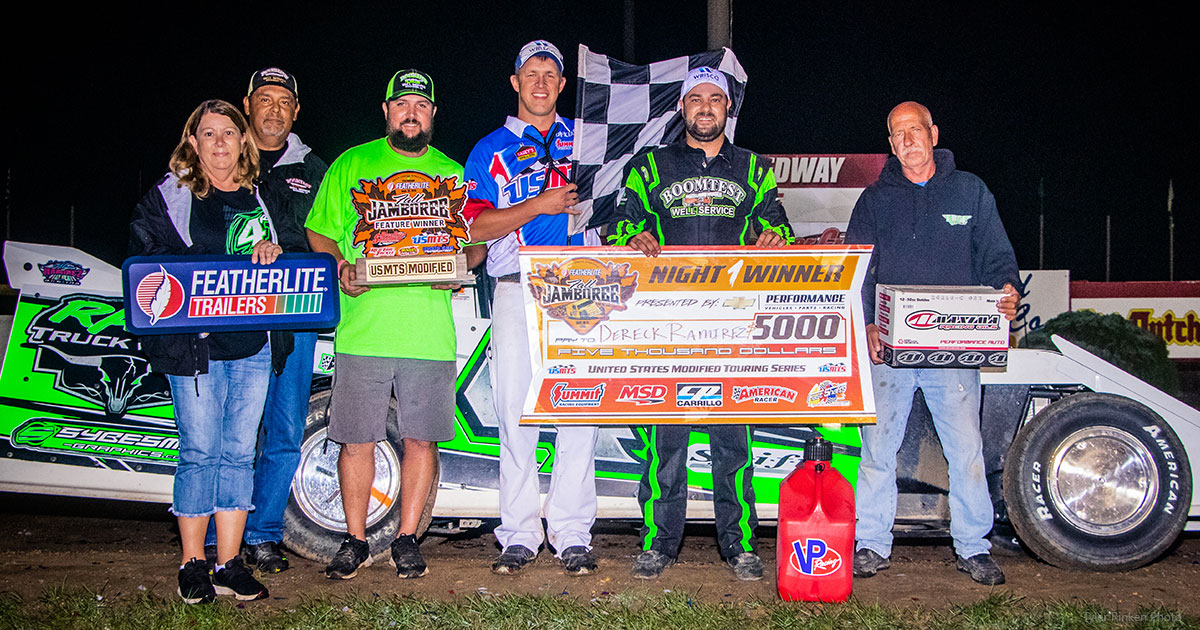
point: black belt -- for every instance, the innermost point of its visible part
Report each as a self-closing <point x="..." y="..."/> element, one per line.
<point x="510" y="277"/>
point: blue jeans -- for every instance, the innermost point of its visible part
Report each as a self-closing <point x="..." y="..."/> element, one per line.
<point x="217" y="415"/>
<point x="278" y="452"/>
<point x="953" y="399"/>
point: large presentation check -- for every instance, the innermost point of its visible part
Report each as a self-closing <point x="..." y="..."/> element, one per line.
<point x="698" y="336"/>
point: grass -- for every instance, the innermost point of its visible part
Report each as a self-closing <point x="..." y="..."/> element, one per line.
<point x="74" y="608"/>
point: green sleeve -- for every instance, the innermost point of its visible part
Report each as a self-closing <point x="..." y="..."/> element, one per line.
<point x="635" y="215"/>
<point x="768" y="212"/>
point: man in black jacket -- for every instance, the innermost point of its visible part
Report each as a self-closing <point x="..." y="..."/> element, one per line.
<point x="702" y="190"/>
<point x="292" y="172"/>
<point x="931" y="224"/>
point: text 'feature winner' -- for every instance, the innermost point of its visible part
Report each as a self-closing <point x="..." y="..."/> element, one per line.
<point x="410" y="229"/>
<point x="730" y="335"/>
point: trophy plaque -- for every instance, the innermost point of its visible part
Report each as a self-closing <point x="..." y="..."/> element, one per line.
<point x="411" y="230"/>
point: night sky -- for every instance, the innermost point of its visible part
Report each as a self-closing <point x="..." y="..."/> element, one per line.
<point x="1091" y="102"/>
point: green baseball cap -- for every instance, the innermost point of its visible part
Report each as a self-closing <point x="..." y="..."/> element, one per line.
<point x="410" y="82"/>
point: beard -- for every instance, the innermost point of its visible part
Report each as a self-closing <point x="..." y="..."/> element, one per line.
<point x="693" y="130"/>
<point x="409" y="144"/>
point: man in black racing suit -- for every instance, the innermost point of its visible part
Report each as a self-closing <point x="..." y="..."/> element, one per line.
<point x="701" y="190"/>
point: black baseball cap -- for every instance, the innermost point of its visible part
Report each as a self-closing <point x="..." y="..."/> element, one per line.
<point x="273" y="76"/>
<point x="410" y="82"/>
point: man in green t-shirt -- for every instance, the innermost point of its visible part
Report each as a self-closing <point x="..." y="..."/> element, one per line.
<point x="399" y="338"/>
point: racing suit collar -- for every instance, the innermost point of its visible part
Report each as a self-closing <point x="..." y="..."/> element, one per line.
<point x="521" y="128"/>
<point x="725" y="152"/>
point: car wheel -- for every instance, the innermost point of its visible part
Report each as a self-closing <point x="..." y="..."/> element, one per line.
<point x="1097" y="482"/>
<point x="314" y="523"/>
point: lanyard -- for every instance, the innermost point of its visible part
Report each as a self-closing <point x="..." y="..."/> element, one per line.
<point x="544" y="155"/>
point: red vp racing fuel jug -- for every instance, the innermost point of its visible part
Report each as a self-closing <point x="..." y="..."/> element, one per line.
<point x="815" y="547"/>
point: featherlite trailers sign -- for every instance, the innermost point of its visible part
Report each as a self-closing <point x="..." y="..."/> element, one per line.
<point x="177" y="294"/>
<point x="719" y="335"/>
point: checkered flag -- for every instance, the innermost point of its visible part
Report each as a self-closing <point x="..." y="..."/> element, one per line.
<point x="622" y="109"/>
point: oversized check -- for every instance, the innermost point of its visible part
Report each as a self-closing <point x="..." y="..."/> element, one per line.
<point x="706" y="336"/>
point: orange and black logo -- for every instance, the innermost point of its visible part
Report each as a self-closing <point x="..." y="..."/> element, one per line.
<point x="582" y="291"/>
<point x="409" y="214"/>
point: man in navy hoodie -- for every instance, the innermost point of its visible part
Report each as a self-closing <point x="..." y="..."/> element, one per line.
<point x="930" y="224"/>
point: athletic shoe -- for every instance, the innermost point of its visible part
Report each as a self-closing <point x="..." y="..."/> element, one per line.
<point x="267" y="557"/>
<point x="352" y="555"/>
<point x="577" y="560"/>
<point x="648" y="565"/>
<point x="195" y="583"/>
<point x="406" y="557"/>
<point x="868" y="563"/>
<point x="981" y="568"/>
<point x="513" y="559"/>
<point x="747" y="566"/>
<point x="235" y="579"/>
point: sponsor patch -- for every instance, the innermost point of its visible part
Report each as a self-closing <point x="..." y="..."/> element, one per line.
<point x="52" y="435"/>
<point x="563" y="396"/>
<point x="160" y="295"/>
<point x="827" y="394"/>
<point x="813" y="556"/>
<point x="971" y="358"/>
<point x="956" y="219"/>
<point x="643" y="394"/>
<point x="940" y="357"/>
<point x="63" y="272"/>
<point x="526" y="153"/>
<point x="299" y="185"/>
<point x="325" y="365"/>
<point x="699" y="394"/>
<point x="927" y="320"/>
<point x="762" y="394"/>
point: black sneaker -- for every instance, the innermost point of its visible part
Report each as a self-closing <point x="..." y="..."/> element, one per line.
<point x="406" y="557"/>
<point x="747" y="566"/>
<point x="267" y="556"/>
<point x="648" y="565"/>
<point x="352" y="555"/>
<point x="195" y="583"/>
<point x="577" y="560"/>
<point x="235" y="579"/>
<point x="868" y="563"/>
<point x="513" y="559"/>
<point x="981" y="568"/>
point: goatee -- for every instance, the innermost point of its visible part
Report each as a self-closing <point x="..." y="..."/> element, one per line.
<point x="693" y="130"/>
<point x="410" y="144"/>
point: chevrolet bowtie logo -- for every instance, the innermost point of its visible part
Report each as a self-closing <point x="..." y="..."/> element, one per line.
<point x="739" y="302"/>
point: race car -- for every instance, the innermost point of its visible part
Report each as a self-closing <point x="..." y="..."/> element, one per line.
<point x="1089" y="463"/>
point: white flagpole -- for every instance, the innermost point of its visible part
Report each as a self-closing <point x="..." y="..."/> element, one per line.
<point x="1107" y="247"/>
<point x="1042" y="223"/>
<point x="1171" y="230"/>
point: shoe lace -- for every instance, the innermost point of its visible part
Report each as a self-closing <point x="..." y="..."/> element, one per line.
<point x="347" y="553"/>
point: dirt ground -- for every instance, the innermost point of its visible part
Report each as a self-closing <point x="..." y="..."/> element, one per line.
<point x="116" y="549"/>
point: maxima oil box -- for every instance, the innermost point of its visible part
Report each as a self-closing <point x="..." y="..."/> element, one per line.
<point x="937" y="326"/>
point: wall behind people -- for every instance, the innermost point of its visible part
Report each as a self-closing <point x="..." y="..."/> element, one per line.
<point x="1106" y="126"/>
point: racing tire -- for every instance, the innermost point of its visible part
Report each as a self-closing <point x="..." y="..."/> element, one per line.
<point x="1097" y="482"/>
<point x="314" y="523"/>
